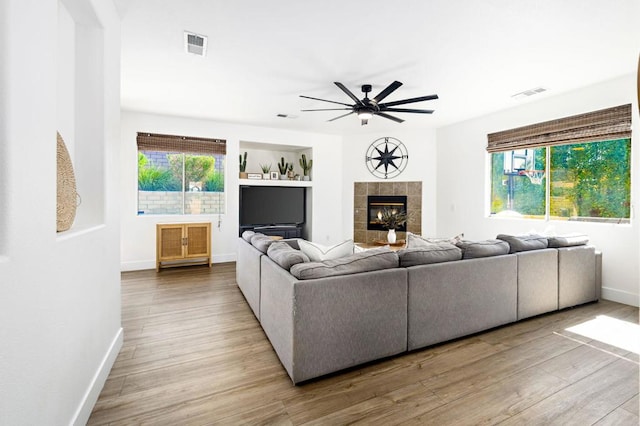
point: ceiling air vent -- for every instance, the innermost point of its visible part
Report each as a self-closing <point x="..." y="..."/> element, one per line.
<point x="195" y="43"/>
<point x="528" y="93"/>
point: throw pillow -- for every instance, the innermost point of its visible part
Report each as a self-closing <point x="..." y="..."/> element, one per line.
<point x="435" y="253"/>
<point x="318" y="252"/>
<point x="370" y="260"/>
<point x="486" y="248"/>
<point x="285" y="255"/>
<point x="568" y="240"/>
<point x="414" y="240"/>
<point x="524" y="242"/>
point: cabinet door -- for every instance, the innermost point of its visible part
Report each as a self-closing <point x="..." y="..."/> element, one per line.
<point x="170" y="242"/>
<point x="198" y="237"/>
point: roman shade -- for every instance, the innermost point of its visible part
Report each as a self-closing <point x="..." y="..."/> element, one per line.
<point x="186" y="144"/>
<point x="605" y="124"/>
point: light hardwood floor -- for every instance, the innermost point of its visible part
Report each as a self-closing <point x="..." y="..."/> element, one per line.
<point x="194" y="354"/>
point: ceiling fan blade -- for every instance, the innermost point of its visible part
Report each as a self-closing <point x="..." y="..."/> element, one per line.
<point x="340" y="116"/>
<point x="390" y="117"/>
<point x="386" y="92"/>
<point x="410" y="101"/>
<point x="417" y="111"/>
<point x="324" y="100"/>
<point x="327" y="109"/>
<point x="348" y="92"/>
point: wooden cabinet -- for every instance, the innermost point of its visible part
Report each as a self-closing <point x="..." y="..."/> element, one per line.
<point x="179" y="244"/>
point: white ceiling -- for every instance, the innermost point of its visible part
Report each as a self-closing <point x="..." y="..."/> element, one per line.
<point x="263" y="54"/>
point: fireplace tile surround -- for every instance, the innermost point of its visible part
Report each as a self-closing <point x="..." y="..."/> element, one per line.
<point x="361" y="190"/>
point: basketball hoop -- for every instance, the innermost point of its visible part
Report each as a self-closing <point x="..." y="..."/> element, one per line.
<point x="535" y="176"/>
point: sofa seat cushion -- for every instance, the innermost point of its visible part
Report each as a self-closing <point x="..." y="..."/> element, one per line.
<point x="414" y="240"/>
<point x="285" y="255"/>
<point x="370" y="260"/>
<point x="261" y="242"/>
<point x="568" y="240"/>
<point x="486" y="248"/>
<point x="319" y="253"/>
<point x="433" y="253"/>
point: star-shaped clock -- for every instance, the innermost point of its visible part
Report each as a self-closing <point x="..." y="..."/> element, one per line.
<point x="386" y="158"/>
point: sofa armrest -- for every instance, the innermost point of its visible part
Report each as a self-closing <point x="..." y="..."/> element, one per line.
<point x="248" y="274"/>
<point x="320" y="326"/>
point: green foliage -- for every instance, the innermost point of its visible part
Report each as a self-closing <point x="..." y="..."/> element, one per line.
<point x="306" y="166"/>
<point x="592" y="179"/>
<point x="214" y="181"/>
<point x="282" y="166"/>
<point x="196" y="167"/>
<point x="243" y="162"/>
<point x="153" y="178"/>
<point x="528" y="198"/>
<point x="265" y="168"/>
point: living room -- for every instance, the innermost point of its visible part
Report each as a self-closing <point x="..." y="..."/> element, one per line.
<point x="61" y="295"/>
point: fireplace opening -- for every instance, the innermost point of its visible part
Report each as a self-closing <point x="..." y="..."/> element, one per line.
<point x="377" y="203"/>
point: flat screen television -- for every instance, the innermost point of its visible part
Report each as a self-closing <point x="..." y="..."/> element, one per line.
<point x="271" y="205"/>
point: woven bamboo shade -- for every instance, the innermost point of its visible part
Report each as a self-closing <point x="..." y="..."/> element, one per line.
<point x="66" y="188"/>
<point x="606" y="124"/>
<point x="186" y="144"/>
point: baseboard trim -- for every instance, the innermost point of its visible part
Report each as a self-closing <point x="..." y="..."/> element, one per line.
<point x="620" y="296"/>
<point x="83" y="413"/>
<point x="141" y="265"/>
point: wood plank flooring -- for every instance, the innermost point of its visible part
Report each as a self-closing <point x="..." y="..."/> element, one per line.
<point x="194" y="354"/>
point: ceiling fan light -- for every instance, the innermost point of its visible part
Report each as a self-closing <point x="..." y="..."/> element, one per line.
<point x="364" y="115"/>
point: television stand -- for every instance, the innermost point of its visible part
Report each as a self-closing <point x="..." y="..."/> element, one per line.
<point x="284" y="231"/>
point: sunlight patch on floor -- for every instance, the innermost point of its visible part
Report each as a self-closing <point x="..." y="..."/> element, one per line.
<point x="612" y="331"/>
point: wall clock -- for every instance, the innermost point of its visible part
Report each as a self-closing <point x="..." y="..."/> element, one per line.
<point x="386" y="158"/>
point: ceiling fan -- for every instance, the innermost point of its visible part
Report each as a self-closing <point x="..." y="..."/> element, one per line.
<point x="367" y="108"/>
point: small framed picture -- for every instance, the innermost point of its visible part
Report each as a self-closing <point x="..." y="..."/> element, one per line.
<point x="274" y="176"/>
<point x="254" y="176"/>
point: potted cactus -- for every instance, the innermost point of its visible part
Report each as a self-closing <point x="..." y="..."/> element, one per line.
<point x="243" y="166"/>
<point x="290" y="174"/>
<point x="306" y="166"/>
<point x="283" y="167"/>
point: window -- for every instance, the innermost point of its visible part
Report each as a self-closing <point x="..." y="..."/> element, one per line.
<point x="180" y="175"/>
<point x="588" y="176"/>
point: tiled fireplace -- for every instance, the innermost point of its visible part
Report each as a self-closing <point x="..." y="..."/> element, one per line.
<point x="393" y="193"/>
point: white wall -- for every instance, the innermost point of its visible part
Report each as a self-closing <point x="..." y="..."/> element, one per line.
<point x="421" y="147"/>
<point x="59" y="293"/>
<point x="463" y="173"/>
<point x="138" y="232"/>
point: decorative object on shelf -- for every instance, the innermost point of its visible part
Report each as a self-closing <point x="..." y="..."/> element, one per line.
<point x="66" y="197"/>
<point x="243" y="166"/>
<point x="290" y="173"/>
<point x="283" y="167"/>
<point x="254" y="176"/>
<point x="266" y="170"/>
<point x="306" y="166"/>
<point x="273" y="175"/>
<point x="391" y="219"/>
<point x="386" y="157"/>
<point x="367" y="108"/>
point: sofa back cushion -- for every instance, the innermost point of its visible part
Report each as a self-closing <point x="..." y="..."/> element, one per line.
<point x="261" y="242"/>
<point x="246" y="235"/>
<point x="319" y="253"/>
<point x="285" y="255"/>
<point x="369" y="260"/>
<point x="433" y="253"/>
<point x="524" y="242"/>
<point x="486" y="248"/>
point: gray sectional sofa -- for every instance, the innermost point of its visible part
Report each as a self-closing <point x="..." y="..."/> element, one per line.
<point x="322" y="317"/>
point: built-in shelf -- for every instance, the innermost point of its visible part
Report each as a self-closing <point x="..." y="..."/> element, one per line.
<point x="264" y="182"/>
